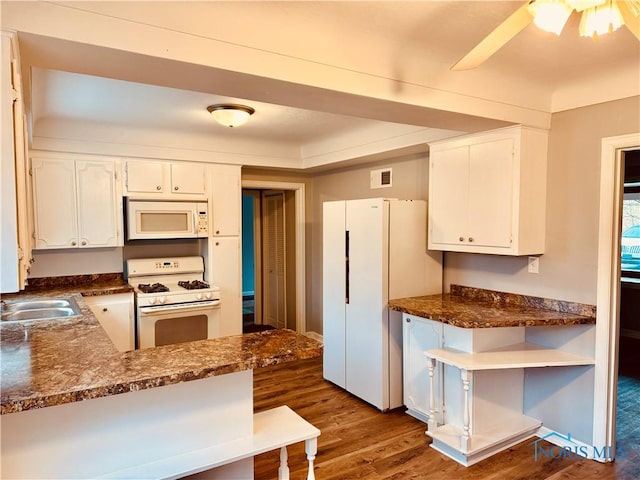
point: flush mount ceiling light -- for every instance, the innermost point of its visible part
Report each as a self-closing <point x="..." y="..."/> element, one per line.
<point x="599" y="17"/>
<point x="230" y="114"/>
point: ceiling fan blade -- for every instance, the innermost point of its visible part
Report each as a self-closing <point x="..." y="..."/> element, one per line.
<point x="630" y="20"/>
<point x="493" y="42"/>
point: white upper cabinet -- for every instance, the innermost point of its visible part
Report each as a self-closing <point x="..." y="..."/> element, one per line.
<point x="76" y="202"/>
<point x="226" y="198"/>
<point x="155" y="178"/>
<point x="487" y="192"/>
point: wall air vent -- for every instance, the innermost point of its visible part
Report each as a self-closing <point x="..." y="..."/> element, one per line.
<point x="381" y="178"/>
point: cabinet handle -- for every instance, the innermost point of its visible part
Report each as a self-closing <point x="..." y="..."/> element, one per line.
<point x="217" y="232"/>
<point x="217" y="243"/>
<point x="84" y="242"/>
<point x="73" y="244"/>
<point x="461" y="239"/>
<point x="158" y="187"/>
<point x="470" y="239"/>
<point x="105" y="309"/>
<point x="175" y="188"/>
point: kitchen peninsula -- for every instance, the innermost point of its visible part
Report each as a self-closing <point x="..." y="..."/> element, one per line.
<point x="486" y="370"/>
<point x="74" y="407"/>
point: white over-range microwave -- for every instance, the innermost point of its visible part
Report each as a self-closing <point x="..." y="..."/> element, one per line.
<point x="164" y="219"/>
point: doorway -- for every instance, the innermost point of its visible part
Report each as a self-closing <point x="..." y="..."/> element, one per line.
<point x="269" y="259"/>
<point x="627" y="420"/>
<point x="608" y="288"/>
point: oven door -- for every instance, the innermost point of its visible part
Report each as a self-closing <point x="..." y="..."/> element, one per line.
<point x="168" y="324"/>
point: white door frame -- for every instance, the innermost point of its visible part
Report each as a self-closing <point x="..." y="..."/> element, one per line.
<point x="301" y="319"/>
<point x="608" y="288"/>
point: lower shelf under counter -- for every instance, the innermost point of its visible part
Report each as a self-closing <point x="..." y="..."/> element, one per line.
<point x="520" y="355"/>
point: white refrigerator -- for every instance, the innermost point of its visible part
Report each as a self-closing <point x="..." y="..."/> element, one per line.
<point x="373" y="250"/>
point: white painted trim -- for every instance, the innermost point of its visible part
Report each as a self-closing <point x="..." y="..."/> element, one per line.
<point x="607" y="325"/>
<point x="299" y="188"/>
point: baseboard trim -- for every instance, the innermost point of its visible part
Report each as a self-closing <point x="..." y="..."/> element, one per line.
<point x="315" y="336"/>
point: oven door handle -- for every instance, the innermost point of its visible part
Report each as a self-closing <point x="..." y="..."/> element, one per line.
<point x="161" y="309"/>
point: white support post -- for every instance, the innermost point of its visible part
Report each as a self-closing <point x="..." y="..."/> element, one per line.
<point x="311" y="448"/>
<point x="465" y="440"/>
<point x="432" y="422"/>
<point x="283" y="471"/>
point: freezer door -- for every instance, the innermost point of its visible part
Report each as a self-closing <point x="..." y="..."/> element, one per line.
<point x="333" y="292"/>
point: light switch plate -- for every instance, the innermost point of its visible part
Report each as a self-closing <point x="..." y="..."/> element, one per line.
<point x="534" y="265"/>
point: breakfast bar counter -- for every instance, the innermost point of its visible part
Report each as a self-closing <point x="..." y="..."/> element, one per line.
<point x="73" y="406"/>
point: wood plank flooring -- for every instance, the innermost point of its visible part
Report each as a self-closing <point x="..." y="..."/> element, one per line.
<point x="359" y="442"/>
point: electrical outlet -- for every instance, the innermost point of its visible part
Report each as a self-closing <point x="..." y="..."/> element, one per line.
<point x="534" y="265"/>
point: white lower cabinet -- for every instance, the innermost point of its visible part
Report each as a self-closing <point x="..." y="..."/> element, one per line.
<point x="419" y="335"/>
<point x="116" y="316"/>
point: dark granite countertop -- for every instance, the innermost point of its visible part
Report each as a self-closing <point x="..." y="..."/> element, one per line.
<point x="468" y="307"/>
<point x="52" y="362"/>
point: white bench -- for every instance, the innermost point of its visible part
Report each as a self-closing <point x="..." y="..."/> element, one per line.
<point x="272" y="429"/>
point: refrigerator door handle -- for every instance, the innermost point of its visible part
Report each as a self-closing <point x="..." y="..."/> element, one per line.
<point x="346" y="266"/>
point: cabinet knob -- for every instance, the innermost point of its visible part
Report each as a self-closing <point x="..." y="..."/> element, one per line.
<point x="217" y="243"/>
<point x="158" y="187"/>
<point x="175" y="188"/>
<point x="461" y="239"/>
<point x="73" y="244"/>
<point x="470" y="239"/>
<point x="408" y="320"/>
<point x="217" y="232"/>
<point x="84" y="242"/>
<point x="105" y="309"/>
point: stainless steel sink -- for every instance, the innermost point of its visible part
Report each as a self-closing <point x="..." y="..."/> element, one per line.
<point x="39" y="309"/>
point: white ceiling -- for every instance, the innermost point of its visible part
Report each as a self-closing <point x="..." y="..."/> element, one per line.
<point x="410" y="42"/>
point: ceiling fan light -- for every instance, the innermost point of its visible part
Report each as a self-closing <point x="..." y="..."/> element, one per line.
<point x="600" y="20"/>
<point x="230" y="114"/>
<point x="550" y="15"/>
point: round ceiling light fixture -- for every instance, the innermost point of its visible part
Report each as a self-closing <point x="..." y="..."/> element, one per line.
<point x="230" y="114"/>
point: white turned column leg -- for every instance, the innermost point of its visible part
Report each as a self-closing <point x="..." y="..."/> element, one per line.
<point x="311" y="449"/>
<point x="283" y="471"/>
<point x="432" y="422"/>
<point x="465" y="440"/>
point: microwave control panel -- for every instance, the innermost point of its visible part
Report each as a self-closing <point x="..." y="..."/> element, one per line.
<point x="203" y="222"/>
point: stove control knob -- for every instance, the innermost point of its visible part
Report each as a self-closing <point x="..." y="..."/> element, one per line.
<point x="153" y="301"/>
<point x="208" y="295"/>
<point x="162" y="300"/>
<point x="198" y="296"/>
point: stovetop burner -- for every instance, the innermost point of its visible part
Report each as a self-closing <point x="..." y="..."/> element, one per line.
<point x="152" y="288"/>
<point x="193" y="284"/>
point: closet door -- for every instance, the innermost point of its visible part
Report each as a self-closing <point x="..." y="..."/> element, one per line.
<point x="274" y="293"/>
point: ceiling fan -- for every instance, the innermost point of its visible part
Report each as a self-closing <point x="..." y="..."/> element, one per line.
<point x="598" y="18"/>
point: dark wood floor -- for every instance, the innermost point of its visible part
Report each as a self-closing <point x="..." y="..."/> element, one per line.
<point x="358" y="441"/>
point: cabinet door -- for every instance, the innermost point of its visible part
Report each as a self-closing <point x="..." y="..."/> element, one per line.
<point x="115" y="314"/>
<point x="419" y="335"/>
<point x="98" y="219"/>
<point x="449" y="196"/>
<point x="225" y="272"/>
<point x="226" y="198"/>
<point x="490" y="193"/>
<point x="54" y="203"/>
<point x="146" y="177"/>
<point x="188" y="178"/>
